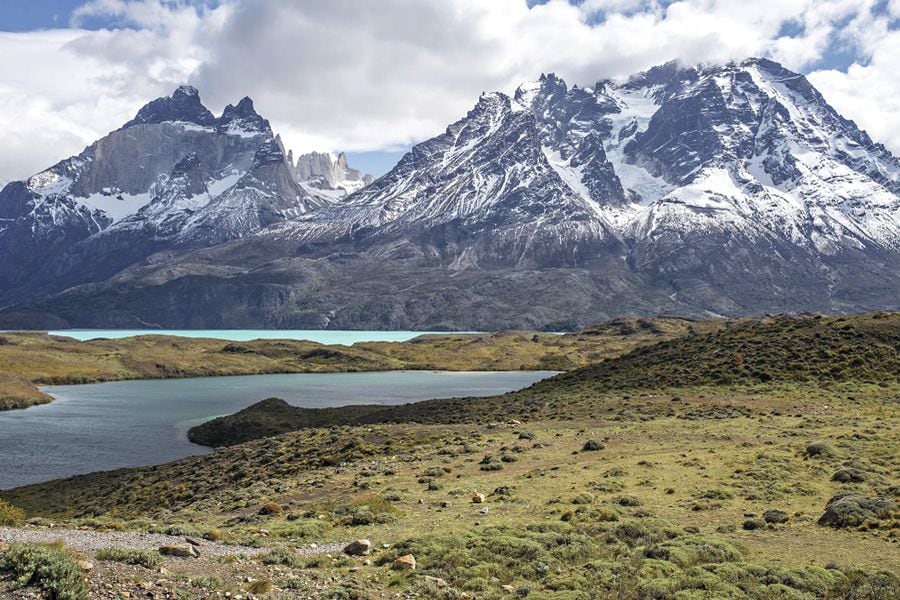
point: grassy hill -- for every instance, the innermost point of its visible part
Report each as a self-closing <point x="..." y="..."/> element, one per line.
<point x="774" y="352"/>
<point x="756" y="460"/>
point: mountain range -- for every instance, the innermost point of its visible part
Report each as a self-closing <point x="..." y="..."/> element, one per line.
<point x="693" y="190"/>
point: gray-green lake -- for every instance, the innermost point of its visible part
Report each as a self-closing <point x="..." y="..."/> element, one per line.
<point x="116" y="424"/>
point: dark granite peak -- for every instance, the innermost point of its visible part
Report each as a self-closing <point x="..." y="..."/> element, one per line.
<point x="183" y="105"/>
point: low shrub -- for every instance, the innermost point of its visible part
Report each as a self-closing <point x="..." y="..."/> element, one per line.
<point x="47" y="566"/>
<point x="10" y="516"/>
<point x="144" y="558"/>
<point x="260" y="586"/>
<point x="627" y="501"/>
<point x="285" y="557"/>
<point x="270" y="508"/>
<point x="819" y="450"/>
<point x="207" y="582"/>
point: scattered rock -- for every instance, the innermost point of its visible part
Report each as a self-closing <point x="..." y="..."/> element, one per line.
<point x="360" y="547"/>
<point x="86" y="565"/>
<point x="850" y="475"/>
<point x="851" y="510"/>
<point x="407" y="562"/>
<point x="183" y="551"/>
<point x="437" y="581"/>
<point x="776" y="516"/>
<point x="509" y="589"/>
<point x="478" y="498"/>
<point x="752" y="524"/>
<point x="192" y="541"/>
<point x="593" y="445"/>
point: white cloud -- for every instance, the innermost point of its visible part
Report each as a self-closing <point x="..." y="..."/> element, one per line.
<point x="350" y="75"/>
<point x="869" y="94"/>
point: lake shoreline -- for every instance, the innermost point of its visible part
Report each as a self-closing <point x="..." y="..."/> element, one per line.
<point x="33" y="359"/>
<point x="122" y="424"/>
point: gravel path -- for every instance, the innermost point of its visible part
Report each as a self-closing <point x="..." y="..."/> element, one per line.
<point x="91" y="541"/>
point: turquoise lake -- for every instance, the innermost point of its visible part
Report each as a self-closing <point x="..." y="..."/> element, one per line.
<point x="322" y="336"/>
<point x="116" y="424"/>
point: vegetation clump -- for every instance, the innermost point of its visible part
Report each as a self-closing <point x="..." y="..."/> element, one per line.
<point x="850" y="475"/>
<point x="270" y="508"/>
<point x="819" y="450"/>
<point x="47" y="566"/>
<point x="10" y="516"/>
<point x="144" y="558"/>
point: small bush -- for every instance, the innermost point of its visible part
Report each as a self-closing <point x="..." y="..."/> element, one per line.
<point x="47" y="566"/>
<point x="207" y="582"/>
<point x="144" y="558"/>
<point x="282" y="556"/>
<point x="819" y="449"/>
<point x="260" y="586"/>
<point x="583" y="498"/>
<point x="270" y="508"/>
<point x="627" y="501"/>
<point x="10" y="516"/>
<point x="716" y="495"/>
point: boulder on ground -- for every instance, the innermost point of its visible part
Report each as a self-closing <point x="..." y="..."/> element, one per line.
<point x="359" y="547"/>
<point x="593" y="445"/>
<point x="478" y="498"/>
<point x="407" y="562"/>
<point x="850" y="475"/>
<point x="851" y="510"/>
<point x="180" y="550"/>
<point x="751" y="524"/>
<point x="436" y="581"/>
<point x="775" y="516"/>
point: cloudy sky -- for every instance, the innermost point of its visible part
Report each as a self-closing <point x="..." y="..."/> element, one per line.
<point x="372" y="77"/>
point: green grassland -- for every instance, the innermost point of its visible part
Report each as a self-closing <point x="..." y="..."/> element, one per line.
<point x="30" y="359"/>
<point x="756" y="459"/>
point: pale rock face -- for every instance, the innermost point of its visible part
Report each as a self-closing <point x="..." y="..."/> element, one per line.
<point x="331" y="178"/>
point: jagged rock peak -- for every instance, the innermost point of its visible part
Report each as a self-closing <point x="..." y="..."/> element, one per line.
<point x="242" y="119"/>
<point x="183" y="105"/>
